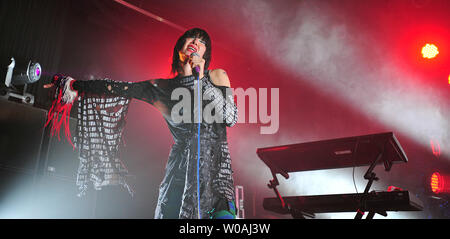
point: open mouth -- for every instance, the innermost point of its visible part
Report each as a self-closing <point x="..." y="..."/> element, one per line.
<point x="191" y="48"/>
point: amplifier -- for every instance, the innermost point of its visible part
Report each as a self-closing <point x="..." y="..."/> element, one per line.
<point x="21" y="136"/>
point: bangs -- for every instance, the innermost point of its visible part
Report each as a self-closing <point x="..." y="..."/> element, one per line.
<point x="198" y="33"/>
<point x="192" y="33"/>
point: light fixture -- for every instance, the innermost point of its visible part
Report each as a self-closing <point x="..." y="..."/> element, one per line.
<point x="429" y="51"/>
<point x="439" y="183"/>
<point x="21" y="73"/>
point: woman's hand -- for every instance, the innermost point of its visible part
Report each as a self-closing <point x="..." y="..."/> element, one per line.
<point x="56" y="79"/>
<point x="193" y="61"/>
<point x="196" y="60"/>
<point x="46" y="86"/>
<point x="68" y="93"/>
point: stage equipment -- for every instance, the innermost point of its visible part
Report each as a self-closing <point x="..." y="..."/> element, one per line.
<point x="378" y="202"/>
<point x="239" y="192"/>
<point x="21" y="73"/>
<point x="38" y="173"/>
<point x="366" y="150"/>
<point x="429" y="51"/>
<point x="439" y="183"/>
<point x="21" y="136"/>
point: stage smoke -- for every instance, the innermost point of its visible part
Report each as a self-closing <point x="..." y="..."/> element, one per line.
<point x="317" y="44"/>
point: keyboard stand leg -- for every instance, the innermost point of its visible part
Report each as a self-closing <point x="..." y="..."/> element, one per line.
<point x="359" y="214"/>
<point x="297" y="214"/>
<point x="371" y="176"/>
<point x="372" y="214"/>
<point x="273" y="185"/>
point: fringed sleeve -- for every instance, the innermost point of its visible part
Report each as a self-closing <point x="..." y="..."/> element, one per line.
<point x="101" y="117"/>
<point x="59" y="112"/>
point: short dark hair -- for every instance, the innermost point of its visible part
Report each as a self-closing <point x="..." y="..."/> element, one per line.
<point x="192" y="33"/>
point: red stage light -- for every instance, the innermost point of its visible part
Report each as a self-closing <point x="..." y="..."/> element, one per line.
<point x="435" y="148"/>
<point x="434" y="182"/>
<point x="430" y="51"/>
<point x="439" y="183"/>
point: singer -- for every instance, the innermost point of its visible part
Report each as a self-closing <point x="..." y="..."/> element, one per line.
<point x="186" y="191"/>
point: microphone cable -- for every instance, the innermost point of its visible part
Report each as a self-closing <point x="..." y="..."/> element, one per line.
<point x="354" y="163"/>
<point x="198" y="140"/>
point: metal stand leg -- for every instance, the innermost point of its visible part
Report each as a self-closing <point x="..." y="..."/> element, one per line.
<point x="371" y="176"/>
<point x="295" y="213"/>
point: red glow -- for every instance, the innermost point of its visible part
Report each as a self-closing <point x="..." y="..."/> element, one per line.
<point x="436" y="183"/>
<point x="439" y="183"/>
<point x="280" y="148"/>
<point x="394" y="188"/>
<point x="408" y="53"/>
<point x="436" y="148"/>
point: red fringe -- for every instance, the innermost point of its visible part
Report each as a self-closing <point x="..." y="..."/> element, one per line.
<point x="59" y="107"/>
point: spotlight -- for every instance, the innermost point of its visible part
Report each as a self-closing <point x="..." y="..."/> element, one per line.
<point x="439" y="183"/>
<point x="21" y="73"/>
<point x="429" y="51"/>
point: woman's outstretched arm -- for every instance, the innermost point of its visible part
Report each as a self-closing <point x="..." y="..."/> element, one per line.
<point x="71" y="88"/>
<point x="143" y="90"/>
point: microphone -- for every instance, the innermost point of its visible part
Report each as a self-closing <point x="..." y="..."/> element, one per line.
<point x="196" y="68"/>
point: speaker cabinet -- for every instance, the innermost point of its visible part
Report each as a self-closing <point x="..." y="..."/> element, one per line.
<point x="21" y="135"/>
<point x="61" y="160"/>
<point x="38" y="172"/>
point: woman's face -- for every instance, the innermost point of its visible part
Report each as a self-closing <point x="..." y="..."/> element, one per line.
<point x="192" y="45"/>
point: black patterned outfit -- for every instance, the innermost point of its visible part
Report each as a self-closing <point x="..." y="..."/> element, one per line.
<point x="178" y="191"/>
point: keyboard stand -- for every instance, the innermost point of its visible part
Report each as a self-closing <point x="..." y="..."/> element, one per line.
<point x="372" y="150"/>
<point x="371" y="176"/>
<point x="295" y="213"/>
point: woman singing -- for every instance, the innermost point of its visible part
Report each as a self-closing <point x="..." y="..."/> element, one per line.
<point x="198" y="180"/>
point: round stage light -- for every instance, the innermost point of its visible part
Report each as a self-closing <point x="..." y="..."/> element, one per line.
<point x="35" y="71"/>
<point x="430" y="51"/>
<point x="26" y="73"/>
<point x="439" y="183"/>
<point x="22" y="72"/>
<point x="436" y="183"/>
